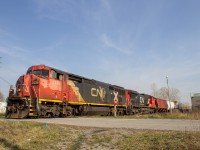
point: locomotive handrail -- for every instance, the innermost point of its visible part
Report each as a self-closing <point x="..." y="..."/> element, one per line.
<point x="34" y="91"/>
<point x="37" y="106"/>
<point x="26" y="88"/>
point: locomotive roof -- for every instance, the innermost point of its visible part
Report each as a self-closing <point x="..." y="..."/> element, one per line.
<point x="58" y="71"/>
<point x="84" y="78"/>
<point x="145" y="94"/>
<point x="132" y="91"/>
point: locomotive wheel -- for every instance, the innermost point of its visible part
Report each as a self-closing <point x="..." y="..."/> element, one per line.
<point x="69" y="113"/>
<point x="49" y="115"/>
<point x="7" y="115"/>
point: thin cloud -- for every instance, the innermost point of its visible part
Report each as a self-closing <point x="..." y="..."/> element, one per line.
<point x="109" y="43"/>
<point x="57" y="10"/>
<point x="53" y="46"/>
<point x="13" y="51"/>
<point x="7" y="46"/>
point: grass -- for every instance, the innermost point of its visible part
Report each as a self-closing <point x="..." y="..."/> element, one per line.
<point x="2" y="115"/>
<point x="26" y="135"/>
<point x="192" y="116"/>
<point x="19" y="135"/>
<point x="161" y="140"/>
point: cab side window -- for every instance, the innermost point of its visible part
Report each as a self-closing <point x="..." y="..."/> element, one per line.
<point x="54" y="74"/>
<point x="57" y="76"/>
<point x="60" y="77"/>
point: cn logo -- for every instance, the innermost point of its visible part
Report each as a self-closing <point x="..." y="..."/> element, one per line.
<point x="115" y="98"/>
<point x="101" y="92"/>
<point x="141" y="100"/>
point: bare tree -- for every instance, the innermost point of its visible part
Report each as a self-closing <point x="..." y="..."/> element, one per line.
<point x="162" y="93"/>
<point x="174" y="94"/>
<point x="2" y="99"/>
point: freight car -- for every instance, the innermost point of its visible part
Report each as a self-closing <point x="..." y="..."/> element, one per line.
<point x="184" y="107"/>
<point x="170" y="105"/>
<point x="48" y="92"/>
<point x="161" y="105"/>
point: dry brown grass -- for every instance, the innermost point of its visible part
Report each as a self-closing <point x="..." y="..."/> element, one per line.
<point x="18" y="135"/>
<point x="191" y="116"/>
<point x="24" y="136"/>
<point x="161" y="140"/>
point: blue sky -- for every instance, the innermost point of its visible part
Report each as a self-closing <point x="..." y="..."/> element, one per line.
<point x="131" y="43"/>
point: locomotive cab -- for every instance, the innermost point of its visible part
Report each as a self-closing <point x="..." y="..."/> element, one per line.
<point x="37" y="92"/>
<point x="26" y="83"/>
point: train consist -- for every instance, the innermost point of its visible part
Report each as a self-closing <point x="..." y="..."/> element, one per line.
<point x="48" y="92"/>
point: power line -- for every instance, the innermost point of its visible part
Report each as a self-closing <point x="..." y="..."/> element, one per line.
<point x="5" y="81"/>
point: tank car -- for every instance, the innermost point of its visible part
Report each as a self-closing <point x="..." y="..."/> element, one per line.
<point x="170" y="105"/>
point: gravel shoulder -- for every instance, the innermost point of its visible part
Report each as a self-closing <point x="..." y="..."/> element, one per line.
<point x="149" y="124"/>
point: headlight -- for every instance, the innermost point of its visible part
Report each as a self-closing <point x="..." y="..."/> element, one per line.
<point x="35" y="82"/>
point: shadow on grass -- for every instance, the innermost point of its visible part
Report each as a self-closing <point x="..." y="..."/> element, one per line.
<point x="9" y="145"/>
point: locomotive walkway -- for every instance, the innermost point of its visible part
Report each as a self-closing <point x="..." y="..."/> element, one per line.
<point x="151" y="124"/>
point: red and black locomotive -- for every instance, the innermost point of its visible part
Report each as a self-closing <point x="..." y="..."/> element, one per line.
<point x="48" y="92"/>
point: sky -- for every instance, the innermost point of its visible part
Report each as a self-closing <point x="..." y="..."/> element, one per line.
<point x="130" y="43"/>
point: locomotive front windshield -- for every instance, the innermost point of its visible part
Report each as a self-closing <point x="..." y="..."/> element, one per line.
<point x="44" y="73"/>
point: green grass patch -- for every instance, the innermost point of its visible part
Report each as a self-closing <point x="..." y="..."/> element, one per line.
<point x="2" y="115"/>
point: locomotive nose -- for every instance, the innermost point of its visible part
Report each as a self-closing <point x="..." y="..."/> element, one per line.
<point x="19" y="86"/>
<point x="22" y="86"/>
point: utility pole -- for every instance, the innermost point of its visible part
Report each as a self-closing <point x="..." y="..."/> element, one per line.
<point x="168" y="94"/>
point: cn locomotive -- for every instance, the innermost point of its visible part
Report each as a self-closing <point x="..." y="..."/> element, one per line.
<point x="48" y="92"/>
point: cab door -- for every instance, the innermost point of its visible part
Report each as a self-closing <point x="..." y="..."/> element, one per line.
<point x="56" y="85"/>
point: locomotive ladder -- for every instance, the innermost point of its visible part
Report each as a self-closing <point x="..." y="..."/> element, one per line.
<point x="33" y="104"/>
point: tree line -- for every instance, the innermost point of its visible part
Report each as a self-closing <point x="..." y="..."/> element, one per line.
<point x="172" y="94"/>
